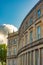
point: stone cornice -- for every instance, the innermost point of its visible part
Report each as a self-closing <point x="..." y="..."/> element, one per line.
<point x="11" y="56"/>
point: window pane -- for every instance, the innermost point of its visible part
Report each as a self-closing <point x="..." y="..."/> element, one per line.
<point x="39" y="13"/>
<point x="31" y="21"/>
<point x="29" y="58"/>
<point x="15" y="41"/>
<point x="9" y="53"/>
<point x="8" y="62"/>
<point x="36" y="57"/>
<point x="31" y="39"/>
<point x="41" y="57"/>
<point x="38" y="32"/>
<point x="23" y="59"/>
<point x="26" y="39"/>
<point x="32" y="56"/>
<point x="14" y="51"/>
<point x="12" y="62"/>
<point x="26" y="25"/>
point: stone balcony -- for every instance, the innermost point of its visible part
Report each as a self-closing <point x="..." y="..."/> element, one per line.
<point x="30" y="45"/>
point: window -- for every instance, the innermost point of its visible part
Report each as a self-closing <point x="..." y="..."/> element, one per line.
<point x="31" y="38"/>
<point x="10" y="41"/>
<point x="9" y="53"/>
<point x="31" y="21"/>
<point x="14" y="41"/>
<point x="38" y="32"/>
<point x="41" y="56"/>
<point x="8" y="62"/>
<point x="14" y="51"/>
<point x="39" y="13"/>
<point x="36" y="57"/>
<point x="26" y="25"/>
<point x="32" y="58"/>
<point x="22" y="41"/>
<point x="13" y="62"/>
<point x="23" y="59"/>
<point x="28" y="58"/>
<point x="26" y="39"/>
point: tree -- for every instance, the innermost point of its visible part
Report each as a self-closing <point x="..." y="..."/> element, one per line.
<point x="3" y="53"/>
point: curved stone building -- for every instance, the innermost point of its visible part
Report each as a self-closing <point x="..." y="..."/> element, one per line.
<point x="30" y="50"/>
<point x="30" y="38"/>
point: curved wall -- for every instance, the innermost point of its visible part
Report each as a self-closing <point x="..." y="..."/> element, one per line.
<point x="31" y="37"/>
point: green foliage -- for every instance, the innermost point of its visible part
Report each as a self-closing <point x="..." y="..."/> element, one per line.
<point x="3" y="53"/>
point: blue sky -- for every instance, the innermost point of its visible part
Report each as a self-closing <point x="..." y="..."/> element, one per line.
<point x="14" y="11"/>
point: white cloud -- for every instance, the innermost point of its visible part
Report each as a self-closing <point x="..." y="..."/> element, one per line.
<point x="10" y="27"/>
<point x="3" y="39"/>
<point x="4" y="29"/>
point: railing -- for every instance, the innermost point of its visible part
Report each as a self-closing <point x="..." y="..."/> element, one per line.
<point x="30" y="45"/>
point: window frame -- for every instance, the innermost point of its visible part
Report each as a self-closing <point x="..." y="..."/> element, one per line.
<point x="38" y="33"/>
<point x="39" y="13"/>
<point x="31" y="36"/>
